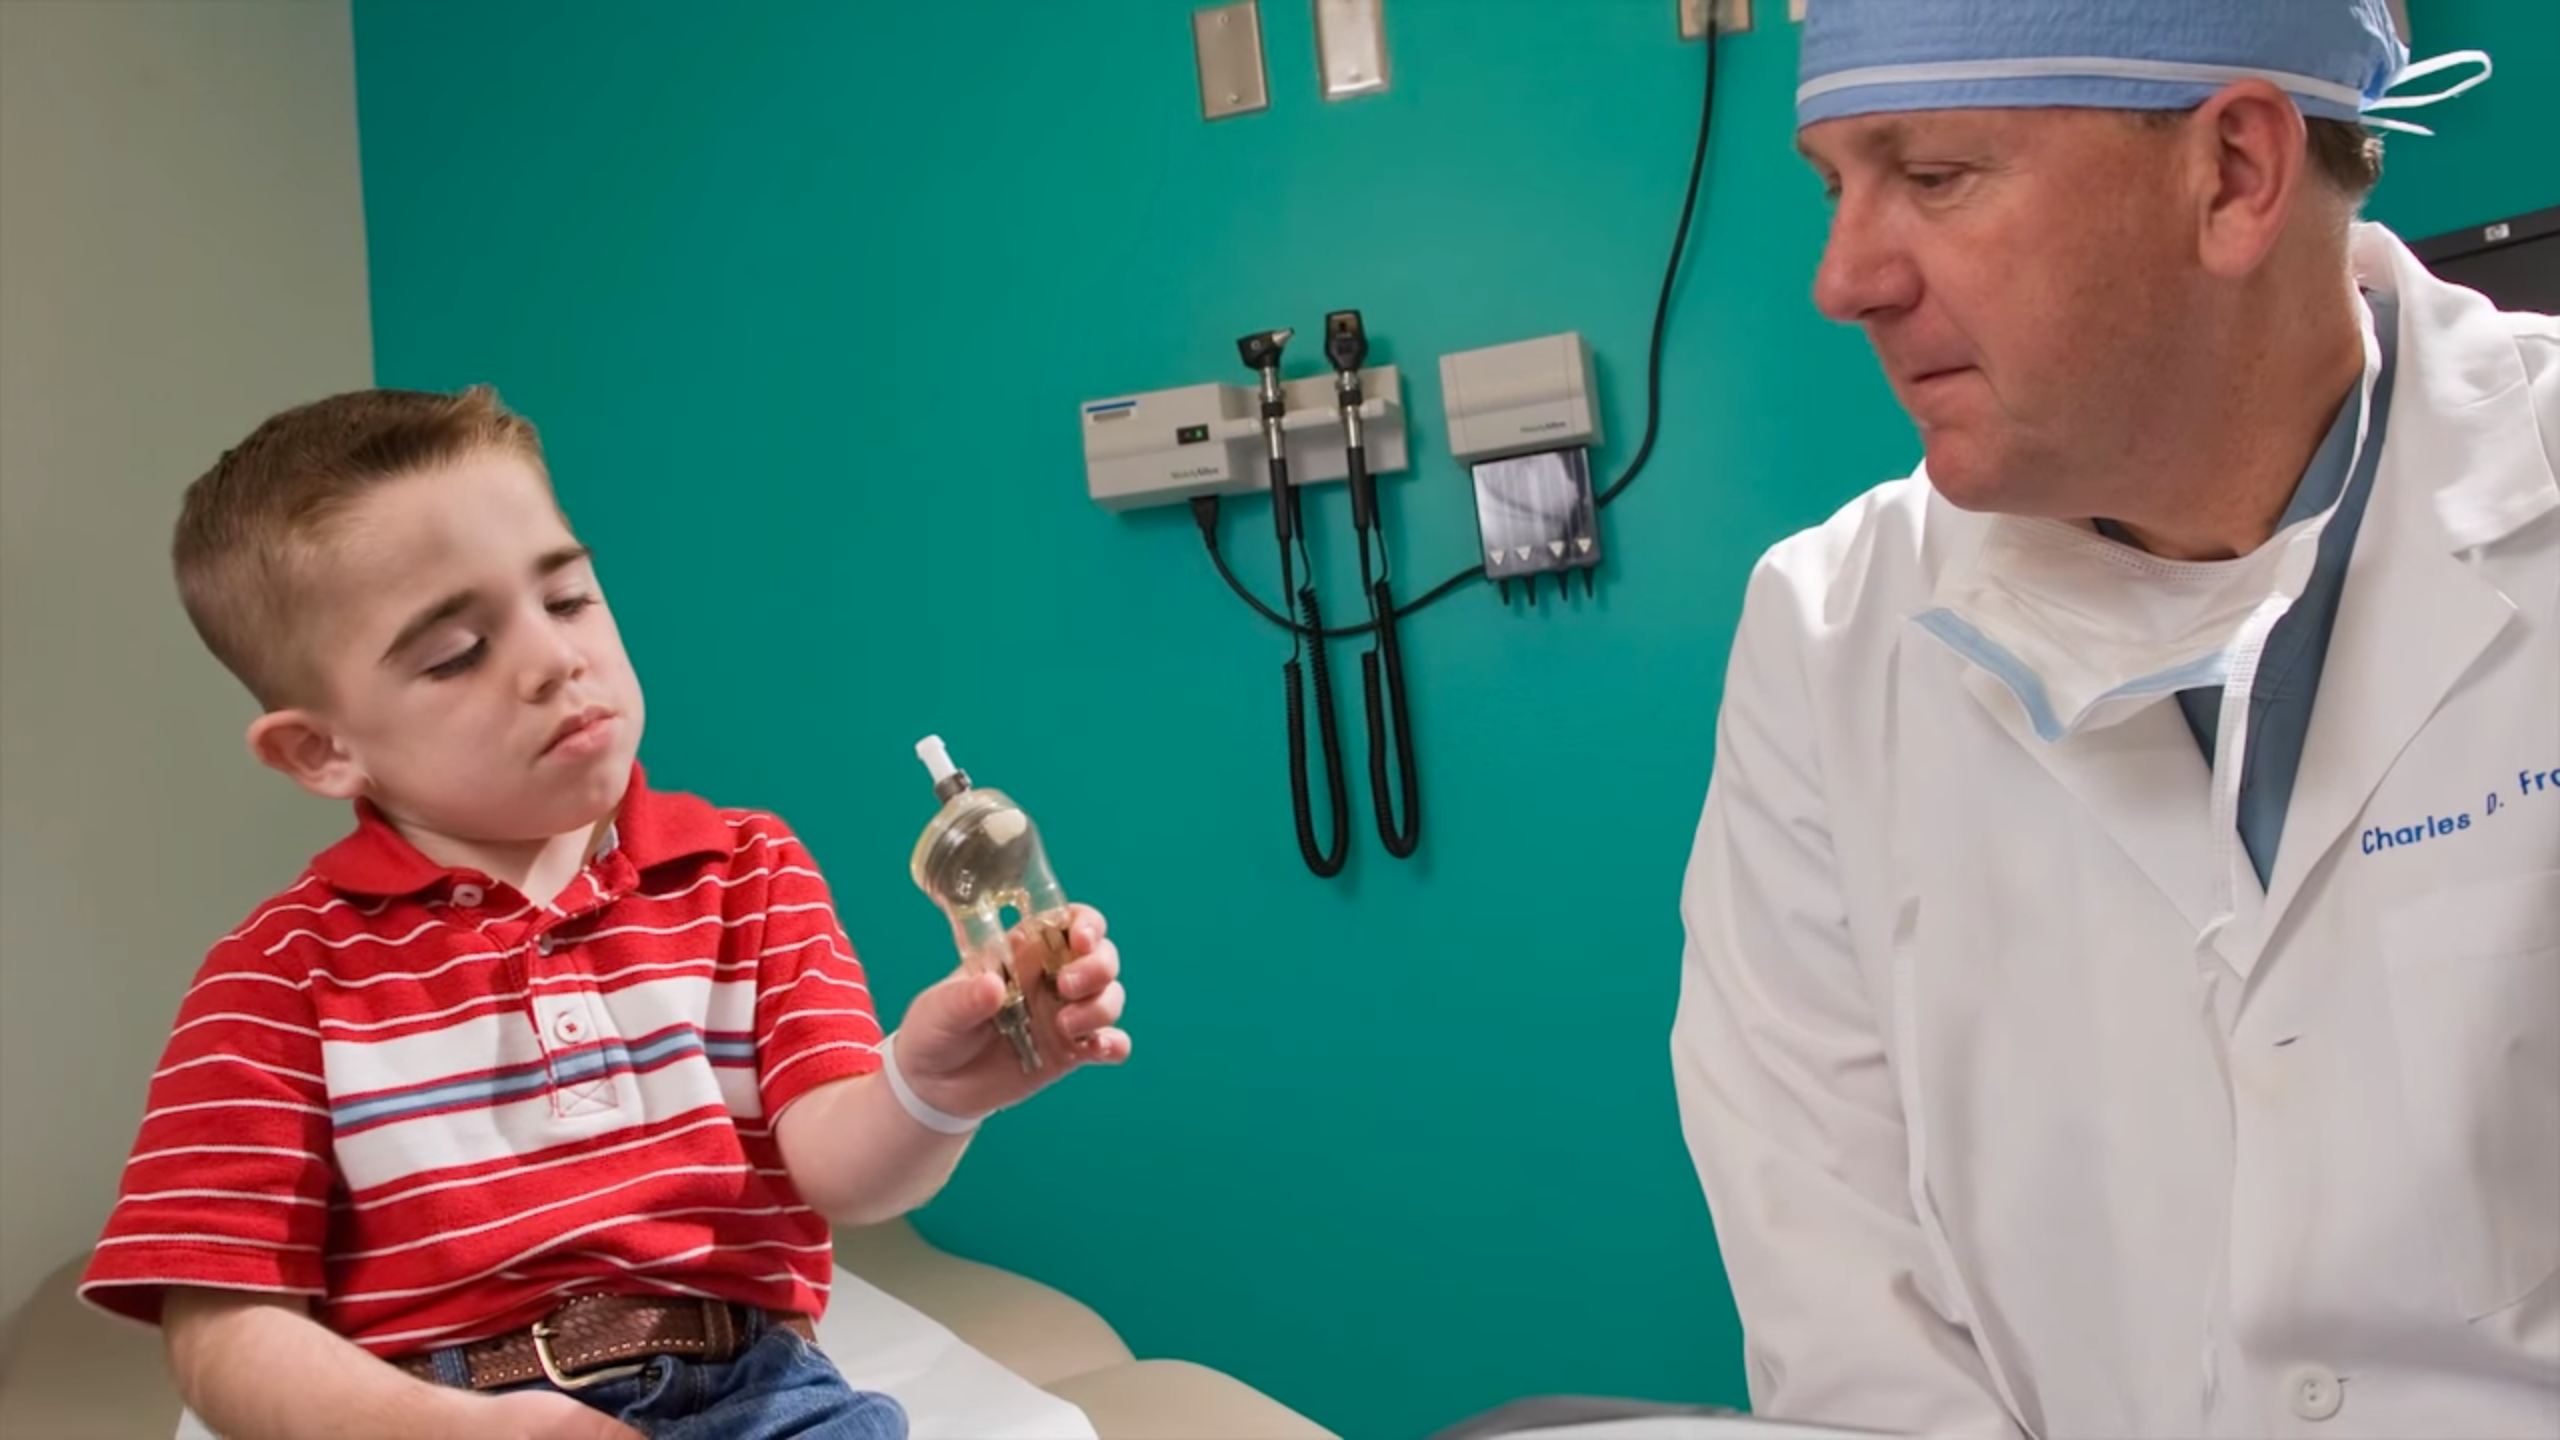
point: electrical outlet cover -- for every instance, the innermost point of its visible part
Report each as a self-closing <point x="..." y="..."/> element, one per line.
<point x="1732" y="17"/>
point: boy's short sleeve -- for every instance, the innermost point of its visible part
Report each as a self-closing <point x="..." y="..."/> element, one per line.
<point x="814" y="1018"/>
<point x="229" y="1179"/>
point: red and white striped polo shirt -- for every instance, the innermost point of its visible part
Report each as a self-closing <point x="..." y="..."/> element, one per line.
<point x="436" y="1108"/>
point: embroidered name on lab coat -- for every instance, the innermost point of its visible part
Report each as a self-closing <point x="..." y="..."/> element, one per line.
<point x="2530" y="785"/>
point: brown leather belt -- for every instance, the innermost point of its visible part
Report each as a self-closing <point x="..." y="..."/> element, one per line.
<point x="594" y="1338"/>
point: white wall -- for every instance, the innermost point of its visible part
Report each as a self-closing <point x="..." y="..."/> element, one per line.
<point x="181" y="253"/>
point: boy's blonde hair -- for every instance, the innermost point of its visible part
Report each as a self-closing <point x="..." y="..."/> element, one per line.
<point x="252" y="527"/>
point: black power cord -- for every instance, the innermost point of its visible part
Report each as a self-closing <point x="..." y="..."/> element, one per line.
<point x="1204" y="513"/>
<point x="1204" y="508"/>
<point x="1671" y="277"/>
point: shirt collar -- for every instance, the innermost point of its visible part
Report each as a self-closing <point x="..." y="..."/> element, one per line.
<point x="650" y="828"/>
<point x="2325" y="479"/>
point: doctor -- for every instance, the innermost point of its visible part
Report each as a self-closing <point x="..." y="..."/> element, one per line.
<point x="2122" y="993"/>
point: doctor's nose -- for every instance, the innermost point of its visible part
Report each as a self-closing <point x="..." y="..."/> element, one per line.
<point x="1865" y="272"/>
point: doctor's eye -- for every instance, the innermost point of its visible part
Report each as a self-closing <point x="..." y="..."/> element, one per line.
<point x="568" y="605"/>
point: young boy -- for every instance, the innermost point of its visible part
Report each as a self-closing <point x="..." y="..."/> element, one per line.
<point x="526" y="1111"/>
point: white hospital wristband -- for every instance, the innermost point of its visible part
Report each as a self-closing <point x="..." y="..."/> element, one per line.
<point x="940" y="1121"/>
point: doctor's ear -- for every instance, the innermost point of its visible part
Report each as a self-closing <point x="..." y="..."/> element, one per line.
<point x="2248" y="161"/>
<point x="300" y="746"/>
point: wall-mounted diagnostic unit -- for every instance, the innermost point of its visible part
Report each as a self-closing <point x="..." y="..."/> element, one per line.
<point x="1198" y="444"/>
<point x="1522" y="419"/>
<point x="1163" y="447"/>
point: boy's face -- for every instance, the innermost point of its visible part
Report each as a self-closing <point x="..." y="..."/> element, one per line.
<point x="472" y="682"/>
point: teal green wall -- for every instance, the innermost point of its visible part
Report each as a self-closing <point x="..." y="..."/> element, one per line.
<point x="805" y="297"/>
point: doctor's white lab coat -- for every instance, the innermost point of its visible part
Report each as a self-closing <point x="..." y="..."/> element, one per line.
<point x="1992" y="1145"/>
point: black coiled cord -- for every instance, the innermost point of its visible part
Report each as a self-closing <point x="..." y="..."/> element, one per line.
<point x="1382" y="665"/>
<point x="1328" y="862"/>
<point x="1400" y="839"/>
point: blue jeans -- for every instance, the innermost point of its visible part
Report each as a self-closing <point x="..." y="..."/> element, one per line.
<point x="780" y="1387"/>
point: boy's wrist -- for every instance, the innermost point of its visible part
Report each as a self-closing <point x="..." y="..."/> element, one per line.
<point x="919" y="1109"/>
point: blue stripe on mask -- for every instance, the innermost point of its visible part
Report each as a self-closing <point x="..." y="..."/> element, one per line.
<point x="2021" y="680"/>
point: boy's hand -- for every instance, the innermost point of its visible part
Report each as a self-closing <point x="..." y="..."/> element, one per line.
<point x="948" y="1045"/>
<point x="544" y="1415"/>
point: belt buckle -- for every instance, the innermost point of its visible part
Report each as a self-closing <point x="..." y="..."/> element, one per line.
<point x="543" y="1335"/>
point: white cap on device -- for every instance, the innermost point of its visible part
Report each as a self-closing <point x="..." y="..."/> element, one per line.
<point x="937" y="760"/>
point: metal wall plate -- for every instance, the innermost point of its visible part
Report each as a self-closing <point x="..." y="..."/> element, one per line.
<point x="1227" y="42"/>
<point x="1732" y="17"/>
<point x="1351" y="47"/>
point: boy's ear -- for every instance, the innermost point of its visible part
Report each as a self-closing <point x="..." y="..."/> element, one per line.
<point x="301" y="747"/>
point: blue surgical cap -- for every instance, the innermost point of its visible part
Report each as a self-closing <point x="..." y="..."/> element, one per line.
<point x="2336" y="58"/>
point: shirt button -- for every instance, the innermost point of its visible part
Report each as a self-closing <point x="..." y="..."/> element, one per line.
<point x="2314" y="1392"/>
<point x="547" y="943"/>
<point x="468" y="895"/>
<point x="568" y="1030"/>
